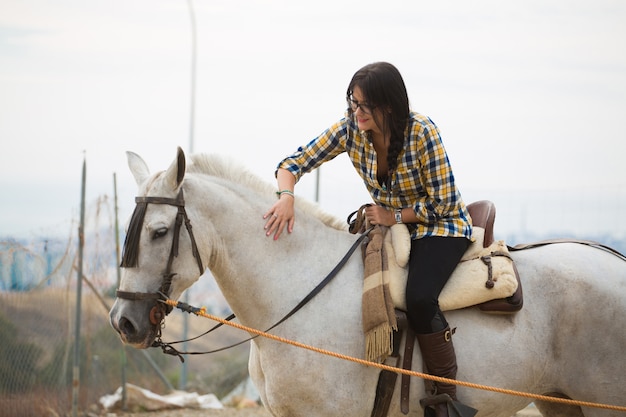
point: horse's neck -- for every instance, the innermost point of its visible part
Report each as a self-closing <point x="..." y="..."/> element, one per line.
<point x="257" y="274"/>
<point x="270" y="277"/>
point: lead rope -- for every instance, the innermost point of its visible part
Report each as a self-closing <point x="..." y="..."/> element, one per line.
<point x="202" y="313"/>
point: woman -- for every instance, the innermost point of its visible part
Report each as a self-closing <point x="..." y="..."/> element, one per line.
<point x="401" y="159"/>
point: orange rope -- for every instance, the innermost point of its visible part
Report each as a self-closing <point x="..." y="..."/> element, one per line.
<point x="202" y="312"/>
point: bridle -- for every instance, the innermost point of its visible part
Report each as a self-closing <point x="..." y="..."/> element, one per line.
<point x="131" y="252"/>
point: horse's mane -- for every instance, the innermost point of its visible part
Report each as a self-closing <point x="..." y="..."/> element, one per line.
<point x="224" y="167"/>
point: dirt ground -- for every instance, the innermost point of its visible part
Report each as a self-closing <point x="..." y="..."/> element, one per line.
<point x="530" y="411"/>
<point x="225" y="412"/>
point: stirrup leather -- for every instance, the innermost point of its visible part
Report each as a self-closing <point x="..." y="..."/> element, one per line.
<point x="455" y="408"/>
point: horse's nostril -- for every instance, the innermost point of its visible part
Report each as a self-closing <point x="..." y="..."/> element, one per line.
<point x="126" y="327"/>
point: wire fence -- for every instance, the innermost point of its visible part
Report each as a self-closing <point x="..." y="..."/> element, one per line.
<point x="38" y="283"/>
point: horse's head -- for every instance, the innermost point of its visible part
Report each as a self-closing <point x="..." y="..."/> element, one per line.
<point x="160" y="257"/>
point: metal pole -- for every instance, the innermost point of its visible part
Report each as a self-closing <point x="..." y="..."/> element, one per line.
<point x="317" y="185"/>
<point x="182" y="383"/>
<point x="79" y="286"/>
<point x="119" y="278"/>
<point x="192" y="109"/>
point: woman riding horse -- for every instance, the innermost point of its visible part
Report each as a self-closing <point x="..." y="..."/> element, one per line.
<point x="400" y="156"/>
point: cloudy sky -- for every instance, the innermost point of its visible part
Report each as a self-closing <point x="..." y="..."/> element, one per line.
<point x="530" y="97"/>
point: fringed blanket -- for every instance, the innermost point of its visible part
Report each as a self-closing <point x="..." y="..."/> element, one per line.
<point x="379" y="318"/>
<point x="385" y="274"/>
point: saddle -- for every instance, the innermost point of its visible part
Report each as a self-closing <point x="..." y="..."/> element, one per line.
<point x="483" y="214"/>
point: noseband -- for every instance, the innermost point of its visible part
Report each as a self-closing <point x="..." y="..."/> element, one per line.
<point x="131" y="251"/>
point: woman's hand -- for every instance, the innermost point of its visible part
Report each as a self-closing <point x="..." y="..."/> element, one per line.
<point x="377" y="215"/>
<point x="281" y="214"/>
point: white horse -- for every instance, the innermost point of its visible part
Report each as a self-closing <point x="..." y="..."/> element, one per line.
<point x="569" y="340"/>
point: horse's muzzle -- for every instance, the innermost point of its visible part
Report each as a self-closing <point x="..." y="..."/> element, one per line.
<point x="134" y="322"/>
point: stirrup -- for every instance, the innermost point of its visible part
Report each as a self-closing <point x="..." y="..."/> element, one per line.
<point x="455" y="408"/>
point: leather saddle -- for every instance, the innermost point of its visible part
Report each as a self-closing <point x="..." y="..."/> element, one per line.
<point x="483" y="214"/>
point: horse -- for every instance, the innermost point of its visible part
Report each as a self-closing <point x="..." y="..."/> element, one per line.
<point x="568" y="341"/>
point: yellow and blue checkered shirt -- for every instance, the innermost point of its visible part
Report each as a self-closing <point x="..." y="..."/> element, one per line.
<point x="423" y="179"/>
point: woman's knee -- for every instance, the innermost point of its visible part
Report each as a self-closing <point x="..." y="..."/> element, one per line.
<point x="421" y="307"/>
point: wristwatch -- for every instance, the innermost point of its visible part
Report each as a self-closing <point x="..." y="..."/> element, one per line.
<point x="398" y="215"/>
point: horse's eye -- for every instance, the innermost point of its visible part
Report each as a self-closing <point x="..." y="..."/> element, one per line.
<point x="159" y="233"/>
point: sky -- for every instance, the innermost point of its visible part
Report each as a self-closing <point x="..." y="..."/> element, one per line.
<point x="530" y="98"/>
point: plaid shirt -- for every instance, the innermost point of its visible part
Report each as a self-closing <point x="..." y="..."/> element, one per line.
<point x="423" y="179"/>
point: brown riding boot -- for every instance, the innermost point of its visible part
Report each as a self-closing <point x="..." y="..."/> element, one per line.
<point x="440" y="360"/>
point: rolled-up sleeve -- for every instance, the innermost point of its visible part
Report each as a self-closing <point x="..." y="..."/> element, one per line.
<point x="323" y="148"/>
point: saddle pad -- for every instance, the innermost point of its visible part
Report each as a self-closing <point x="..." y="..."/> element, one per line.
<point x="466" y="287"/>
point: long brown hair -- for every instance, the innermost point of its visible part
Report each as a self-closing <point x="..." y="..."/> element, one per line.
<point x="383" y="86"/>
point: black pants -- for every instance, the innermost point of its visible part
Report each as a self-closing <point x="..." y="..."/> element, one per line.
<point x="431" y="263"/>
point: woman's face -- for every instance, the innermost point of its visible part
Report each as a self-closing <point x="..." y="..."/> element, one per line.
<point x="365" y="116"/>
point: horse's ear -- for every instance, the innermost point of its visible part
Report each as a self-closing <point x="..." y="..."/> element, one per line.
<point x="176" y="172"/>
<point x="180" y="156"/>
<point x="138" y="167"/>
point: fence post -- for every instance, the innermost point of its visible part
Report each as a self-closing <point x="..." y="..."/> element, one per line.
<point x="79" y="286"/>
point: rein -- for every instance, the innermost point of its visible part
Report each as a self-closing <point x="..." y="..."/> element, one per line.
<point x="170" y="350"/>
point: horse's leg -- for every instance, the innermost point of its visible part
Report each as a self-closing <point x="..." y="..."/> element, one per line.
<point x="256" y="373"/>
<point x="550" y="409"/>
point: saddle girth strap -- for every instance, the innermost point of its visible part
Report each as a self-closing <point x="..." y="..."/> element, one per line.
<point x="409" y="346"/>
<point x="387" y="379"/>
